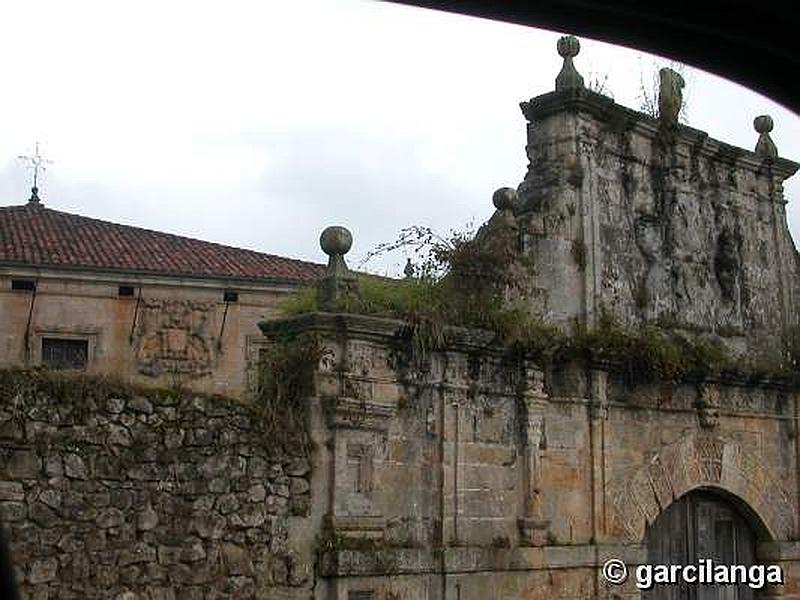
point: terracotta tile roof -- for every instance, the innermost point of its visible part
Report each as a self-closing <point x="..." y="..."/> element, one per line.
<point x="34" y="235"/>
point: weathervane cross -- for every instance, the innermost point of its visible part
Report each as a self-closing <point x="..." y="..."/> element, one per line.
<point x="38" y="163"/>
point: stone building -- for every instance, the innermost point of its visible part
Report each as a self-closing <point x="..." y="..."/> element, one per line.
<point x="468" y="472"/>
<point x="480" y="475"/>
<point x="149" y="307"/>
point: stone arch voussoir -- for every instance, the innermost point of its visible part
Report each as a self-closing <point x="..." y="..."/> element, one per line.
<point x="700" y="460"/>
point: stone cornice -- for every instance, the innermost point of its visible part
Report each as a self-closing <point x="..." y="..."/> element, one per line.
<point x="112" y="276"/>
<point x="626" y="119"/>
<point x="379" y="329"/>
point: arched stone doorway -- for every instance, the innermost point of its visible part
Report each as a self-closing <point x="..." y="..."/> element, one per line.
<point x="701" y="524"/>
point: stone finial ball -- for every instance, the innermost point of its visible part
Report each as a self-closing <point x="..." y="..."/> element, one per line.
<point x="504" y="198"/>
<point x="763" y="124"/>
<point x="336" y="240"/>
<point x="568" y="46"/>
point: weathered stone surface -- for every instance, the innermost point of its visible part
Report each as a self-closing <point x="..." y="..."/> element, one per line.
<point x="115" y="405"/>
<point x="13" y="511"/>
<point x="257" y="493"/>
<point x="53" y="466"/>
<point x="673" y="228"/>
<point x="51" y="498"/>
<point x="111" y="517"/>
<point x="298" y="467"/>
<point x="11" y="430"/>
<point x="193" y="552"/>
<point x="75" y="467"/>
<point x="298" y="486"/>
<point x="227" y="504"/>
<point x="119" y="436"/>
<point x="11" y="490"/>
<point x="237" y="560"/>
<point x="765" y="147"/>
<point x="23" y="464"/>
<point x="43" y="571"/>
<point x="127" y="500"/>
<point x="569" y="78"/>
<point x="338" y="282"/>
<point x="147" y="519"/>
<point x="141" y="404"/>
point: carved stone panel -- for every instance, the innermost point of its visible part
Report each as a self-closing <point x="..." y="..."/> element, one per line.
<point x="360" y="467"/>
<point x="175" y="337"/>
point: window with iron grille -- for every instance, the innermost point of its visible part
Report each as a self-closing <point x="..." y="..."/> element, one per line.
<point x="59" y="353"/>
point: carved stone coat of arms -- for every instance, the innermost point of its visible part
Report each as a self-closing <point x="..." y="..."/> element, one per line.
<point x="173" y="337"/>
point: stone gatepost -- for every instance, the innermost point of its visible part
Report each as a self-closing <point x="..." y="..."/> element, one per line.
<point x="358" y="397"/>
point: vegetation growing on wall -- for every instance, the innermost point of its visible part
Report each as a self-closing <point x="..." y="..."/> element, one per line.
<point x="285" y="382"/>
<point x="80" y="392"/>
<point x="465" y="280"/>
<point x="71" y="387"/>
<point x="285" y="379"/>
<point x="472" y="281"/>
<point x="647" y="353"/>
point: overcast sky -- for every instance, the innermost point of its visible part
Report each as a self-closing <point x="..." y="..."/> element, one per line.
<point x="256" y="124"/>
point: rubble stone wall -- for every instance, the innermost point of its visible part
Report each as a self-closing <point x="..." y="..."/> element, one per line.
<point x="150" y="498"/>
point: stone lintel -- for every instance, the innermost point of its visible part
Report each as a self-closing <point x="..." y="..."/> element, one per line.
<point x="623" y="118"/>
<point x="378" y="329"/>
<point x="473" y="559"/>
<point x="377" y="561"/>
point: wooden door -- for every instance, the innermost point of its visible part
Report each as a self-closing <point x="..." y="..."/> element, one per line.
<point x="700" y="525"/>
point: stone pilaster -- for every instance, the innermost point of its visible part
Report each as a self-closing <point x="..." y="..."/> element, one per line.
<point x="598" y="414"/>
<point x="532" y="525"/>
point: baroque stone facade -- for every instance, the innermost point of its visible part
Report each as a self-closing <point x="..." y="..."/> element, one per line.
<point x="481" y="477"/>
